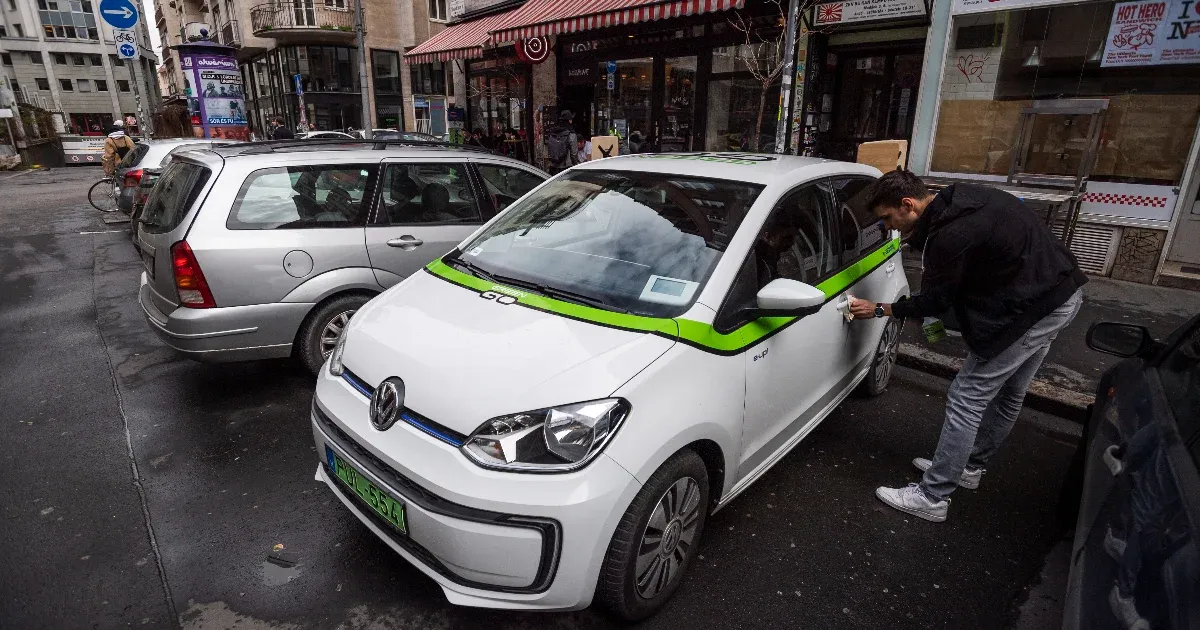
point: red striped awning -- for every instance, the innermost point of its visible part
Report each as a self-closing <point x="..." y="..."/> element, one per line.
<point x="459" y="41"/>
<point x="538" y="18"/>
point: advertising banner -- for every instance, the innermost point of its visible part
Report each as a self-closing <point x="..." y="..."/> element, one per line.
<point x="1153" y="32"/>
<point x="847" y="11"/>
<point x="980" y="6"/>
<point x="215" y="83"/>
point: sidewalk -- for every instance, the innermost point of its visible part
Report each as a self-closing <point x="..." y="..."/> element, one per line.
<point x="1067" y="380"/>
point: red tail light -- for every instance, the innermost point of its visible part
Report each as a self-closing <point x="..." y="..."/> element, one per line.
<point x="189" y="280"/>
<point x="133" y="178"/>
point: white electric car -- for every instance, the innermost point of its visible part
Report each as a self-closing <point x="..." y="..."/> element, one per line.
<point x="546" y="415"/>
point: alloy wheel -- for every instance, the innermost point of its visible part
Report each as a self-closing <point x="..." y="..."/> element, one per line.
<point x="333" y="331"/>
<point x="668" y="537"/>
<point x="885" y="353"/>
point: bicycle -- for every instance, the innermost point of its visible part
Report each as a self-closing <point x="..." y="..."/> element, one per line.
<point x="103" y="194"/>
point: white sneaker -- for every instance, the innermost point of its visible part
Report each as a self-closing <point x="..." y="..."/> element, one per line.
<point x="970" y="477"/>
<point x="913" y="500"/>
<point x="1125" y="610"/>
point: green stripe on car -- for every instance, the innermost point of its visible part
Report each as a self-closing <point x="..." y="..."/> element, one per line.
<point x="697" y="334"/>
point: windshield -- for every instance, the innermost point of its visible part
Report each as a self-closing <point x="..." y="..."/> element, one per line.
<point x="643" y="243"/>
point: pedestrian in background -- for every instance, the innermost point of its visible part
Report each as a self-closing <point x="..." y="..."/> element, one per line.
<point x="281" y="131"/>
<point x="116" y="145"/>
<point x="560" y="143"/>
<point x="1012" y="285"/>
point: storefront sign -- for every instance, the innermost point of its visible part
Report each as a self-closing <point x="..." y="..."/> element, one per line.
<point x="1153" y="32"/>
<point x="533" y="50"/>
<point x="579" y="76"/>
<point x="1134" y="201"/>
<point x="218" y="103"/>
<point x="980" y="6"/>
<point x="848" y="11"/>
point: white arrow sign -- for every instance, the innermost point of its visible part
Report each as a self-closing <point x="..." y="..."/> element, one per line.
<point x="123" y="12"/>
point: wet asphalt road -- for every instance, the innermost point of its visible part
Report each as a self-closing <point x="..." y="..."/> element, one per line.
<point x="144" y="489"/>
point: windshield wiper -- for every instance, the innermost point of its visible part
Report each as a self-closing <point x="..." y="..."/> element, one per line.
<point x="473" y="268"/>
<point x="548" y="291"/>
<point x="578" y="298"/>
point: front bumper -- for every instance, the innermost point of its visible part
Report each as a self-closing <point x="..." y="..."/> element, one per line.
<point x="232" y="333"/>
<point x="490" y="539"/>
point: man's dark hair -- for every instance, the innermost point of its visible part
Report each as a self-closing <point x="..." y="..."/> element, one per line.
<point x="889" y="190"/>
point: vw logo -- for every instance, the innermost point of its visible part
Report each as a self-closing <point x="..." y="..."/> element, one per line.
<point x="386" y="403"/>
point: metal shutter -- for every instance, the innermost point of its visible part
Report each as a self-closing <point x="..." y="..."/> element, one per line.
<point x="1094" y="246"/>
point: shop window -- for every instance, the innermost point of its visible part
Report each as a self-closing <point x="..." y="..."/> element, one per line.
<point x="498" y="106"/>
<point x="385" y="70"/>
<point x="625" y="110"/>
<point x="322" y="68"/>
<point x="1060" y="53"/>
<point x="741" y="113"/>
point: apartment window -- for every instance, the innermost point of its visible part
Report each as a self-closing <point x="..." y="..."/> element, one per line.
<point x="67" y="19"/>
<point x="84" y="85"/>
<point x="428" y="78"/>
<point x="437" y="10"/>
<point x="6" y="59"/>
<point x="65" y="84"/>
<point x="60" y="59"/>
<point x="35" y="57"/>
<point x="3" y="31"/>
<point x="12" y="5"/>
<point x="78" y="60"/>
<point x="97" y="60"/>
<point x="122" y="85"/>
<point x="42" y="83"/>
<point x="18" y="30"/>
<point x="16" y="87"/>
<point x="116" y="61"/>
<point x="385" y="69"/>
<point x="101" y="85"/>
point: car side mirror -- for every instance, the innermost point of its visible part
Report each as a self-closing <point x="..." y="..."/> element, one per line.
<point x="784" y="297"/>
<point x="1122" y="340"/>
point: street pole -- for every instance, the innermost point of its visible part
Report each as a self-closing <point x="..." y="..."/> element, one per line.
<point x="789" y="64"/>
<point x="137" y="98"/>
<point x="362" y="71"/>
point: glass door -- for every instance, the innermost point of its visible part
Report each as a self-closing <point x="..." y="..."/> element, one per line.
<point x="623" y="103"/>
<point x="678" y="104"/>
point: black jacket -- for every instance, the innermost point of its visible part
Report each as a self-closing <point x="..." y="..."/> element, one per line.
<point x="993" y="261"/>
<point x="283" y="133"/>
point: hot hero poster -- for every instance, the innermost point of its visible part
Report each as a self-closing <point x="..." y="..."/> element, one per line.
<point x="1153" y="32"/>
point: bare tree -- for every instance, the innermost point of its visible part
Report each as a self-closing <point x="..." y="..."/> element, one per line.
<point x="763" y="52"/>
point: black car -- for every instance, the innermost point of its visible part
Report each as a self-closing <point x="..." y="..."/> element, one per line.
<point x="1135" y="562"/>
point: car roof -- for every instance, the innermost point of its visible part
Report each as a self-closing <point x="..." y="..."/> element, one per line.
<point x="337" y="146"/>
<point x="759" y="168"/>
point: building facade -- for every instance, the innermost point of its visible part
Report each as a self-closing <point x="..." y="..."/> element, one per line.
<point x="60" y="56"/>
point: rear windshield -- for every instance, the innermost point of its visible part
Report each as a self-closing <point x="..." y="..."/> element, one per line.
<point x="134" y="156"/>
<point x="173" y="194"/>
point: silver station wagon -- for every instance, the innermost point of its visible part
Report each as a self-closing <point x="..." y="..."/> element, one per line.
<point x="265" y="250"/>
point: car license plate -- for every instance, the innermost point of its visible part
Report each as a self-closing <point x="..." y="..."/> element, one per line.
<point x="390" y="509"/>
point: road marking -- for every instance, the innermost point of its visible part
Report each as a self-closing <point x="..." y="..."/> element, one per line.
<point x="19" y="174"/>
<point x="103" y="232"/>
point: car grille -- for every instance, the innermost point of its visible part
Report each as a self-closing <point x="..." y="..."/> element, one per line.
<point x="414" y="493"/>
<point x="425" y="425"/>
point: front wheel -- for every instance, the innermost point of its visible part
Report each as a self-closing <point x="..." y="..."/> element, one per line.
<point x="656" y="540"/>
<point x="884" y="360"/>
<point x="324" y="326"/>
<point x="103" y="195"/>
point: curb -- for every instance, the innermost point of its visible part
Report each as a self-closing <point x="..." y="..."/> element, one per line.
<point x="1041" y="396"/>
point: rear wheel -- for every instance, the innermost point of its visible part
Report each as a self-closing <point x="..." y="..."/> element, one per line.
<point x="103" y="195"/>
<point x="656" y="540"/>
<point x="884" y="360"/>
<point x="323" y="328"/>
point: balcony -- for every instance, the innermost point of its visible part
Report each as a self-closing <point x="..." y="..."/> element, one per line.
<point x="230" y="35"/>
<point x="304" y="21"/>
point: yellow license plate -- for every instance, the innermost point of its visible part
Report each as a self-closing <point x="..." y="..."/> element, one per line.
<point x="390" y="509"/>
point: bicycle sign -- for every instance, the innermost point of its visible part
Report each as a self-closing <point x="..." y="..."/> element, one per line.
<point x="126" y="44"/>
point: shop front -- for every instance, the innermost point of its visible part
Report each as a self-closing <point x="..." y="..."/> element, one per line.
<point x="499" y="92"/>
<point x="1055" y="91"/>
<point x="313" y="86"/>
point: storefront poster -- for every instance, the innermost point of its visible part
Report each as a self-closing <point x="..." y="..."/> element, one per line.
<point x="1153" y="32"/>
<point x="218" y="101"/>
<point x="849" y="11"/>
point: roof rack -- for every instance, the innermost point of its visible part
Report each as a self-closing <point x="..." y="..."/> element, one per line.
<point x="280" y="146"/>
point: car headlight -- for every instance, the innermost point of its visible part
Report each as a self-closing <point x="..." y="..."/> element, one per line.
<point x="335" y="358"/>
<point x="555" y="439"/>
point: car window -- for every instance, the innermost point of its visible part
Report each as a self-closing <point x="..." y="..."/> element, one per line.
<point x="628" y="241"/>
<point x="302" y="197"/>
<point x="134" y="156"/>
<point x="1179" y="372"/>
<point x="173" y="194"/>
<point x="860" y="231"/>
<point x="429" y="192"/>
<point x="506" y="184"/>
<point x="195" y="146"/>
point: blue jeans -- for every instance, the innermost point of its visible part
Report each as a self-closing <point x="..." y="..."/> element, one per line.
<point x="985" y="398"/>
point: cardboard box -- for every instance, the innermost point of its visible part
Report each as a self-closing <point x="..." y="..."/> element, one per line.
<point x="885" y="155"/>
<point x="605" y="146"/>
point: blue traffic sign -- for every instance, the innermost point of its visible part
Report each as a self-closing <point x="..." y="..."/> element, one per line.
<point x="119" y="13"/>
<point x="612" y="67"/>
<point x="127" y="51"/>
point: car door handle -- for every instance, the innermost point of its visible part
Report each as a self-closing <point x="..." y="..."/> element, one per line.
<point x="406" y="242"/>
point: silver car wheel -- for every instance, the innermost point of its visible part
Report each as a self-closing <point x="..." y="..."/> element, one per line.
<point x="885" y="353"/>
<point x="668" y="537"/>
<point x="333" y="331"/>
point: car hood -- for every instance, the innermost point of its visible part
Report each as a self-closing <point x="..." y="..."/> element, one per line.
<point x="464" y="359"/>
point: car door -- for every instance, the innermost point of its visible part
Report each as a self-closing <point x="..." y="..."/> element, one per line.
<point x="424" y="209"/>
<point x="1138" y="557"/>
<point x="792" y="376"/>
<point x="861" y="234"/>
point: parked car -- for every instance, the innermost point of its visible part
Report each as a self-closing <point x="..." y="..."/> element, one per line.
<point x="1135" y="562"/>
<point x="147" y="154"/>
<point x="150" y="175"/>
<point x="358" y="133"/>
<point x="547" y="414"/>
<point x="256" y="252"/>
<point x="325" y="135"/>
<point x="407" y="136"/>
